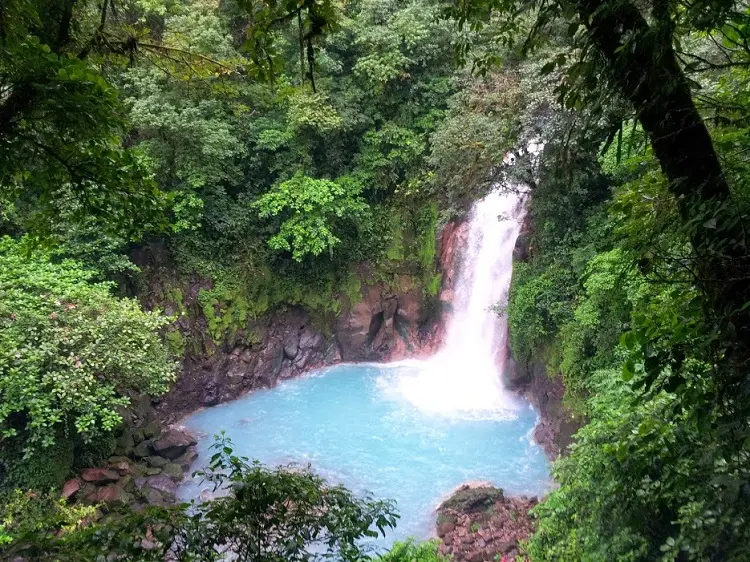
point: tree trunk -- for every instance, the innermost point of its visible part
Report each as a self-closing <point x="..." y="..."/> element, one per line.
<point x="643" y="64"/>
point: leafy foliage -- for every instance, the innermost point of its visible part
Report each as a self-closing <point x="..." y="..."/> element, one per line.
<point x="310" y="206"/>
<point x="61" y="126"/>
<point x="410" y="551"/>
<point x="24" y="514"/>
<point x="613" y="307"/>
<point x="284" y="514"/>
<point x="70" y="351"/>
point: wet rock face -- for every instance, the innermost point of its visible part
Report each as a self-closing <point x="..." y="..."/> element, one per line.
<point x="386" y="325"/>
<point x="524" y="247"/>
<point x="384" y="322"/>
<point x="478" y="524"/>
<point x="381" y="326"/>
<point x="288" y="344"/>
<point x="557" y="424"/>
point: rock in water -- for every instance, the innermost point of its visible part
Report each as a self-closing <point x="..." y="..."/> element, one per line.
<point x="478" y="524"/>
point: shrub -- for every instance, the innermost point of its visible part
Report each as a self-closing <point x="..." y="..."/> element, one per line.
<point x="411" y="551"/>
<point x="69" y="350"/>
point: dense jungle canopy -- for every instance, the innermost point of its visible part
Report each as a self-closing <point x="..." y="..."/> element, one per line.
<point x="274" y="147"/>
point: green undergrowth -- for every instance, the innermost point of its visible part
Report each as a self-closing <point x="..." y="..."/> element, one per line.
<point x="240" y="291"/>
<point x="412" y="551"/>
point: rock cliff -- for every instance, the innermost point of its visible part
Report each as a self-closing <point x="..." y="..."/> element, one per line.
<point x="545" y="391"/>
<point x="384" y="321"/>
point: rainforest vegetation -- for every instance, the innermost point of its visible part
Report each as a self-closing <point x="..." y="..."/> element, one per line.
<point x="273" y="147"/>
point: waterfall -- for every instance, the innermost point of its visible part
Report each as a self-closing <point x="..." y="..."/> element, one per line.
<point x="466" y="376"/>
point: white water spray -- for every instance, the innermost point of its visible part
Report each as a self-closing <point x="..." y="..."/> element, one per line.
<point x="465" y="377"/>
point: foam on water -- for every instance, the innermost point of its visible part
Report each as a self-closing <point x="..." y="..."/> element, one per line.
<point x="465" y="377"/>
<point x="351" y="431"/>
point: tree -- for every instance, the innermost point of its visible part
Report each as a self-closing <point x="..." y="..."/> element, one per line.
<point x="70" y="351"/>
<point x="311" y="209"/>
<point x="61" y="122"/>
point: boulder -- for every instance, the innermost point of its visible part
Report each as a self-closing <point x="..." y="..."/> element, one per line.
<point x="472" y="499"/>
<point x="70" y="488"/>
<point x="118" y="459"/>
<point x="187" y="459"/>
<point x="122" y="467"/>
<point x="163" y="483"/>
<point x="99" y="475"/>
<point x="152" y="496"/>
<point x="125" y="443"/>
<point x="112" y="494"/>
<point x="488" y="524"/>
<point x="151" y="429"/>
<point x="143" y="449"/>
<point x="138" y="435"/>
<point x="156" y="461"/>
<point x="173" y="444"/>
<point x="126" y="483"/>
<point x="174" y="471"/>
<point x="153" y="471"/>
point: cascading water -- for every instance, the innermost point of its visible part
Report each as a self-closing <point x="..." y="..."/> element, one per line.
<point x="410" y="430"/>
<point x="465" y="377"/>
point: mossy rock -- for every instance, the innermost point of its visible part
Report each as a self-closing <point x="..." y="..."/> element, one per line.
<point x="152" y="496"/>
<point x="151" y="429"/>
<point x="470" y="500"/>
<point x="125" y="443"/>
<point x="115" y="459"/>
<point x="128" y="484"/>
<point x="141" y="406"/>
<point x="143" y="449"/>
<point x="174" y="471"/>
<point x="157" y="461"/>
<point x="153" y="471"/>
<point x="138" y="435"/>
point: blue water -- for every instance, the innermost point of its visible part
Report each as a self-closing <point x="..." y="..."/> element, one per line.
<point x="354" y="427"/>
